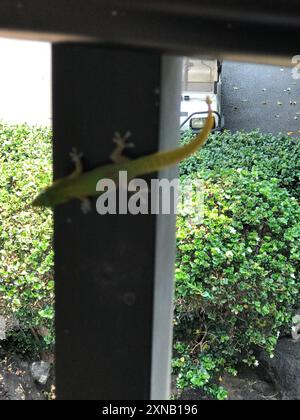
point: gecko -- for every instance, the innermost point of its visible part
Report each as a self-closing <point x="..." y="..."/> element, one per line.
<point x="82" y="185"/>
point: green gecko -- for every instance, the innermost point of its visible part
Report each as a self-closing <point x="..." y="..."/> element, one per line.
<point x="81" y="185"/>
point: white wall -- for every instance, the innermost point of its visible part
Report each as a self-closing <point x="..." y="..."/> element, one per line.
<point x="25" y="82"/>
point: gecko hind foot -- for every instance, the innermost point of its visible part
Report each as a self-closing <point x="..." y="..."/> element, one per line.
<point x="122" y="144"/>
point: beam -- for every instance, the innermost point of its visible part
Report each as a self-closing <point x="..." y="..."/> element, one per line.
<point x="250" y="28"/>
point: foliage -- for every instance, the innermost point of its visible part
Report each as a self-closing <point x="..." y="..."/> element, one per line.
<point x="266" y="155"/>
<point x="237" y="276"/>
<point x="26" y="257"/>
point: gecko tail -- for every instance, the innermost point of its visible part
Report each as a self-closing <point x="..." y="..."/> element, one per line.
<point x="162" y="160"/>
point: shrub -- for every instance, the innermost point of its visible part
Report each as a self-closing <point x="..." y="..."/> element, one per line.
<point x="237" y="276"/>
<point x="266" y="155"/>
<point x="26" y="257"/>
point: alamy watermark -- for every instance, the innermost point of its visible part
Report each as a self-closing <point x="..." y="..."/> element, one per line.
<point x="163" y="196"/>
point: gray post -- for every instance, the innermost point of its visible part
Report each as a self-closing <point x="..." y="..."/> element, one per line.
<point x="165" y="237"/>
<point x="114" y="274"/>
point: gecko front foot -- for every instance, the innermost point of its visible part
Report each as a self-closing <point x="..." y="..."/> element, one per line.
<point x="122" y="144"/>
<point x="76" y="158"/>
<point x="86" y="206"/>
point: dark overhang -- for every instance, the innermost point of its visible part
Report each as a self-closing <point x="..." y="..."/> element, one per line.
<point x="232" y="28"/>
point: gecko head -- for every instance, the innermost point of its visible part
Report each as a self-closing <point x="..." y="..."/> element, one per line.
<point x="54" y="195"/>
<point x="42" y="200"/>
